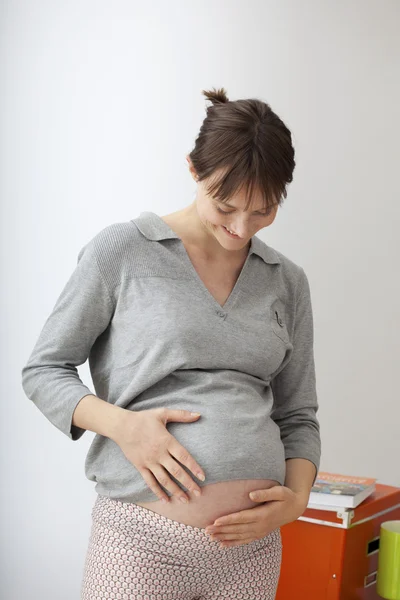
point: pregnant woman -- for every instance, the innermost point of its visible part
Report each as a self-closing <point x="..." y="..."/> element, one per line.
<point x="191" y="313"/>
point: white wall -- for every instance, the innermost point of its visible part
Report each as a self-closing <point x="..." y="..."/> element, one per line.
<point x="100" y="103"/>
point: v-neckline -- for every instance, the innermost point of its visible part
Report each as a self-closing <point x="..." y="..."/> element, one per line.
<point x="221" y="308"/>
<point x="234" y="292"/>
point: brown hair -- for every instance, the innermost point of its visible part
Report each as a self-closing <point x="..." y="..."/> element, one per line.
<point x="249" y="144"/>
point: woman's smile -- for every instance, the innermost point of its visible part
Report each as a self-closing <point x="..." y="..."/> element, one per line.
<point x="232" y="235"/>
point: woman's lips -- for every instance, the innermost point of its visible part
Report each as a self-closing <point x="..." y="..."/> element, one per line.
<point x="231" y="235"/>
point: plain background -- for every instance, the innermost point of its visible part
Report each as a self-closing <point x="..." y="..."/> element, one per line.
<point x="100" y="103"/>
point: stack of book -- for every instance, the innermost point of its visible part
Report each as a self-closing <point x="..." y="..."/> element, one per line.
<point x="332" y="491"/>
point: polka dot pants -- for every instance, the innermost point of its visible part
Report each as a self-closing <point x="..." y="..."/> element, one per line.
<point x="135" y="553"/>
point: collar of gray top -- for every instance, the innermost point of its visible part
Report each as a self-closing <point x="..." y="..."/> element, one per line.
<point x="155" y="229"/>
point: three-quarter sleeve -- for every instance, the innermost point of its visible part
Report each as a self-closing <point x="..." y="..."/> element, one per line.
<point x="82" y="312"/>
<point x="294" y="388"/>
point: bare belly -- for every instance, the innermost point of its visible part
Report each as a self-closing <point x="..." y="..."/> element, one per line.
<point x="216" y="500"/>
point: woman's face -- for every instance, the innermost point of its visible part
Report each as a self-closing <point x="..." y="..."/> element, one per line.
<point x="217" y="216"/>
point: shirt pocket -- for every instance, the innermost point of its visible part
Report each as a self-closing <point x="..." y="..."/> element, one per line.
<point x="278" y="320"/>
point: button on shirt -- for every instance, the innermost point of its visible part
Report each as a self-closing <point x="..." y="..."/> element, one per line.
<point x="156" y="337"/>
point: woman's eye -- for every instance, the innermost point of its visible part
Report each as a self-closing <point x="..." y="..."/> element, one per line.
<point x="225" y="212"/>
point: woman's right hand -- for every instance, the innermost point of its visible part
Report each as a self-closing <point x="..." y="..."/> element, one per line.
<point x="148" y="445"/>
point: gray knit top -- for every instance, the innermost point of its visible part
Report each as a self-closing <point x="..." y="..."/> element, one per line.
<point x="156" y="337"/>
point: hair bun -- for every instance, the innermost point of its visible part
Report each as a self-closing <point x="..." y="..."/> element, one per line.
<point x="216" y="96"/>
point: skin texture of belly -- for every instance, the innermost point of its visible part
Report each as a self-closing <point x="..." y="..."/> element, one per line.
<point x="216" y="500"/>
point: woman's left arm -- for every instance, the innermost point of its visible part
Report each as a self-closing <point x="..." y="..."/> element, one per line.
<point x="300" y="476"/>
<point x="295" y="397"/>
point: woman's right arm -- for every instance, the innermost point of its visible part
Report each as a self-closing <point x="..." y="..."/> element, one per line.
<point x="82" y="312"/>
<point x="94" y="414"/>
<point x="50" y="378"/>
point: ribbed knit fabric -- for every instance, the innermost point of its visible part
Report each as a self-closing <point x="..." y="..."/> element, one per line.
<point x="155" y="337"/>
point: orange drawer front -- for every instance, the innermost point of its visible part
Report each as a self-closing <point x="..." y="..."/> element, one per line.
<point x="334" y="556"/>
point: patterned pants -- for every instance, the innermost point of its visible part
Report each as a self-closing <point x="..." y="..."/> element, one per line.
<point x="135" y="553"/>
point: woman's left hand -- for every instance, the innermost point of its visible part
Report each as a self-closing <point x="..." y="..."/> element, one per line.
<point x="280" y="505"/>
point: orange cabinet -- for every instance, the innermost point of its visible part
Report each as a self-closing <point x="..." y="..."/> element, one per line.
<point x="329" y="555"/>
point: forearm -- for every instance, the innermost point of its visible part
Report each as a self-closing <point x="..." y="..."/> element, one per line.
<point x="97" y="415"/>
<point x="300" y="475"/>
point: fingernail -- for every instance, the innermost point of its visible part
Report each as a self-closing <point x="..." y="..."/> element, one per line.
<point x="200" y="476"/>
<point x="182" y="499"/>
<point x="196" y="492"/>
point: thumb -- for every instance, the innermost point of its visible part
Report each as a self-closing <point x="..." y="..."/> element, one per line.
<point x="179" y="414"/>
<point x="266" y="495"/>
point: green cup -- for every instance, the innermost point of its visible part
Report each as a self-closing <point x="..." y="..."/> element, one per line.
<point x="388" y="575"/>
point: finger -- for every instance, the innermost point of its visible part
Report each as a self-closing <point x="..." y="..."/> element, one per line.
<point x="182" y="455"/>
<point x="180" y="474"/>
<point x="244" y="516"/>
<point x="153" y="484"/>
<point x="276" y="492"/>
<point x="163" y="477"/>
<point x="238" y="527"/>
